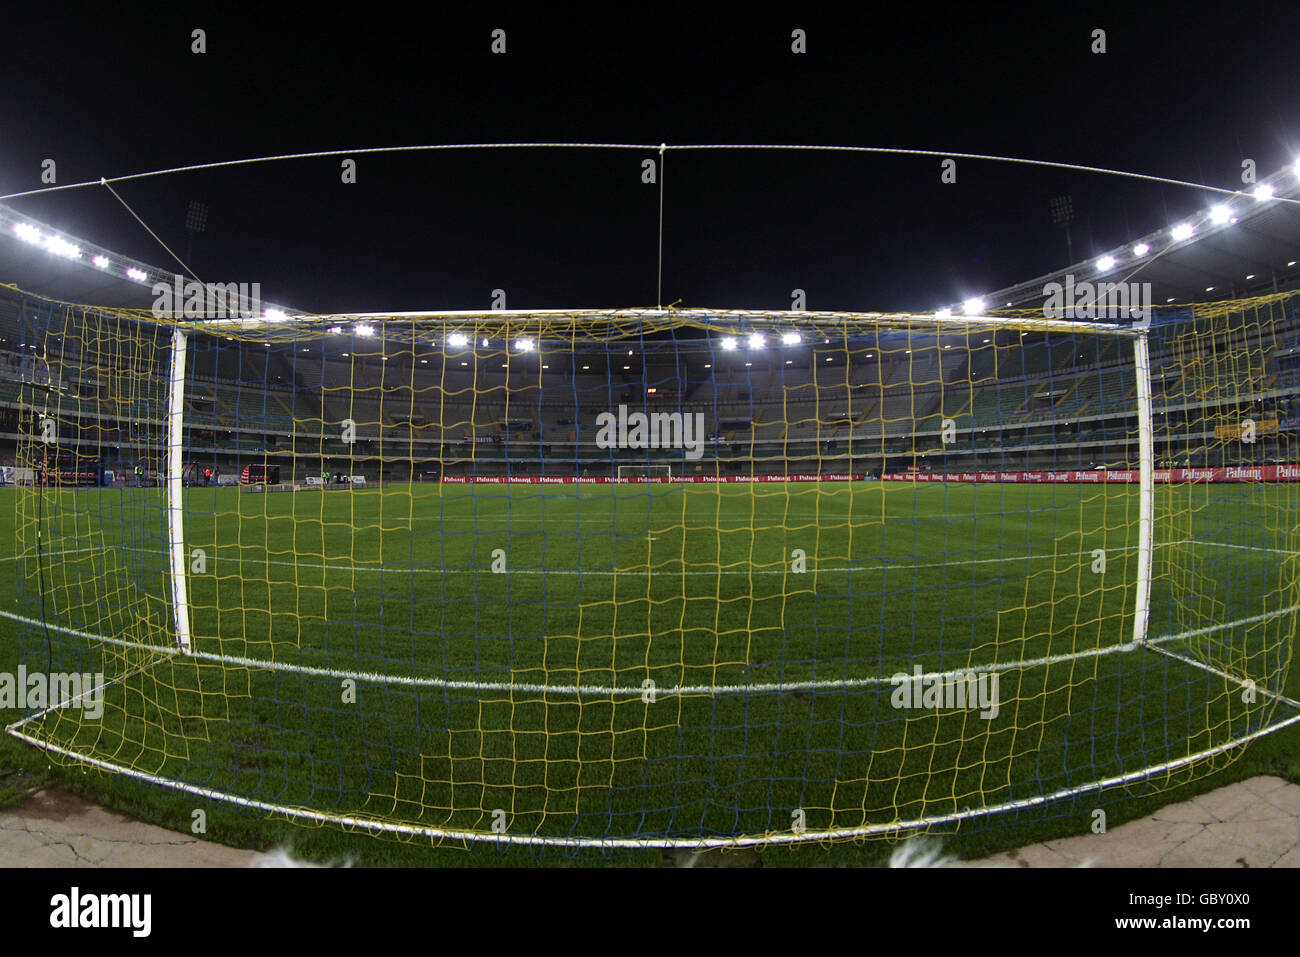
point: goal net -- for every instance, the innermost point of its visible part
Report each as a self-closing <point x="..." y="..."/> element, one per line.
<point x="644" y="473"/>
<point x="911" y="572"/>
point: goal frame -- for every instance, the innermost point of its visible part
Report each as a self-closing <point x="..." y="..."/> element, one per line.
<point x="181" y="611"/>
<point x="644" y="472"/>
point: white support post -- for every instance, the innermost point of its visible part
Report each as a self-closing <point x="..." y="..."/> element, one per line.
<point x="176" y="489"/>
<point x="1146" y="487"/>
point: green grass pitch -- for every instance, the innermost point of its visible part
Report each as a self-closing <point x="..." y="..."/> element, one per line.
<point x="769" y="618"/>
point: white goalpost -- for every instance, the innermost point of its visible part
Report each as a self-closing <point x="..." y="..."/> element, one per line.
<point x="645" y="473"/>
<point x="553" y="666"/>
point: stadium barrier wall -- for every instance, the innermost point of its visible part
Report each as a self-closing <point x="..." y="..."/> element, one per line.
<point x="1254" y="473"/>
<point x="639" y="480"/>
<point x="1248" y="473"/>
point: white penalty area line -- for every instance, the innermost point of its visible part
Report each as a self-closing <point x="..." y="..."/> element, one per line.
<point x="664" y="571"/>
<point x="396" y="569"/>
<point x="615" y="691"/>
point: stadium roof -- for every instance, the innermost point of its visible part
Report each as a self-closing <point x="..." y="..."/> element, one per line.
<point x="1239" y="245"/>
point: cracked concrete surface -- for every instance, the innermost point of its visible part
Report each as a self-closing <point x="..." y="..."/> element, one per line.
<point x="57" y="829"/>
<point x="1254" y="823"/>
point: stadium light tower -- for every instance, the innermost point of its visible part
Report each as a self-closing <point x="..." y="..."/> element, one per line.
<point x="1062" y="208"/>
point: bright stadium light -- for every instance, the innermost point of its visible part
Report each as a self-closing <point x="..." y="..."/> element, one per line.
<point x="27" y="232"/>
<point x="1220" y="214"/>
<point x="790" y="339"/>
<point x="139" y="275"/>
<point x="1105" y="263"/>
<point x="973" y="306"/>
<point x="335" y="330"/>
<point x="364" y="329"/>
<point x="1263" y="192"/>
<point x="524" y="345"/>
<point x="458" y="340"/>
<point x="276" y="315"/>
<point x="756" y="341"/>
<point x="944" y="314"/>
<point x="61" y="247"/>
<point x="1182" y="231"/>
<point x="728" y="342"/>
<point x="101" y="262"/>
<point x="1141" y="249"/>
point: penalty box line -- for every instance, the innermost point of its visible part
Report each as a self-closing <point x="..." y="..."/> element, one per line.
<point x="398" y="569"/>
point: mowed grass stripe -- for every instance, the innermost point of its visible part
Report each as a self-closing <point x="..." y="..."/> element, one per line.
<point x="686" y="764"/>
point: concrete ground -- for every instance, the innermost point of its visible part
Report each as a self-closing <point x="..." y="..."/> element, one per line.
<point x="57" y="829"/>
<point x="1254" y="823"/>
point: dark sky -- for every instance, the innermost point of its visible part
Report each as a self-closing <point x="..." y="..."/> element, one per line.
<point x="1183" y="91"/>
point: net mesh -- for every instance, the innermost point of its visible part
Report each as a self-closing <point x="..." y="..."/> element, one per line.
<point x="890" y="584"/>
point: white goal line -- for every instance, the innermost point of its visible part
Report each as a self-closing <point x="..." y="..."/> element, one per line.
<point x="636" y="691"/>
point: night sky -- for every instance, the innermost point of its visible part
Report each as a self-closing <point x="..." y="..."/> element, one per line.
<point x="1183" y="92"/>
